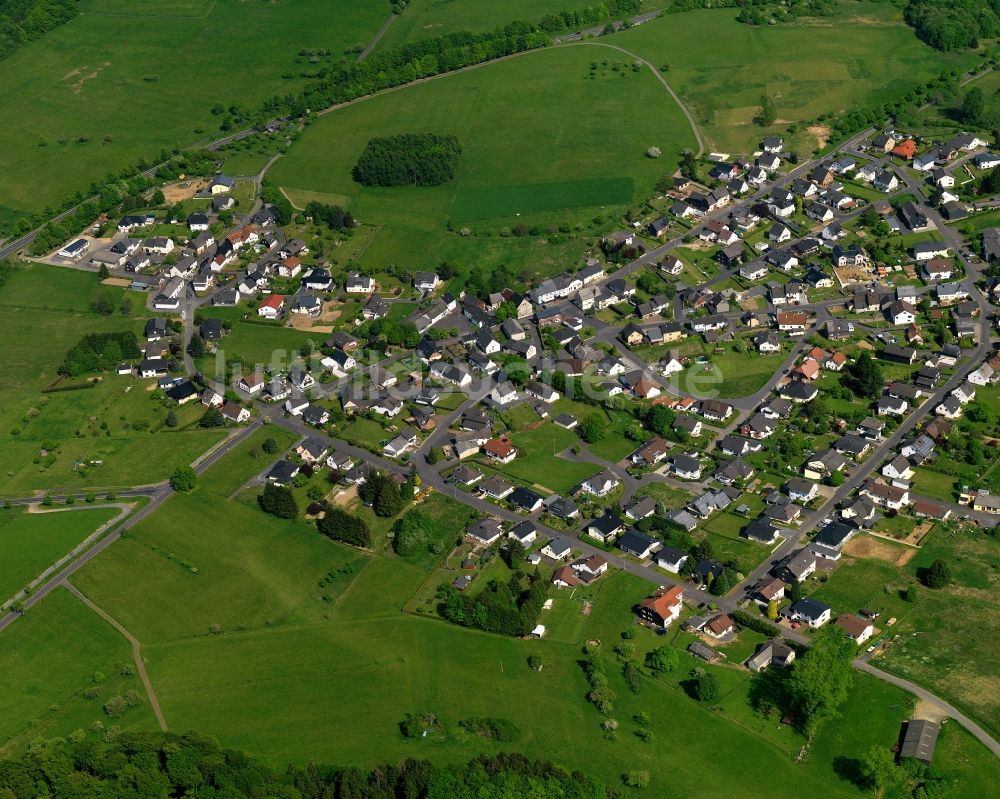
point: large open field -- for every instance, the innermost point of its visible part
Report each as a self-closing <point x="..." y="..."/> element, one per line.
<point x="131" y="78"/>
<point x="543" y="144"/>
<point x="425" y="18"/>
<point x="44" y="311"/>
<point x="814" y="66"/>
<point x="243" y="643"/>
<point x="31" y="542"/>
<point x="52" y="655"/>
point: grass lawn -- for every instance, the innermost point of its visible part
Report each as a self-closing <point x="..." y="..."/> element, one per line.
<point x="559" y="174"/>
<point x="264" y="345"/>
<point x="948" y="637"/>
<point x="31" y="542"/>
<point x="108" y="430"/>
<point x="63" y="93"/>
<point x="74" y="644"/>
<point x="365" y="433"/>
<point x="936" y="485"/>
<point x="670" y="497"/>
<point x="614" y="447"/>
<point x="536" y="462"/>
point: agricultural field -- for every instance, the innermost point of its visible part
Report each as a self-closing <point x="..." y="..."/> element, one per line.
<point x="948" y="637"/>
<point x="85" y="101"/>
<point x="861" y="54"/>
<point x="363" y="658"/>
<point x="31" y="542"/>
<point x="558" y="175"/>
<point x="99" y="436"/>
<point x="52" y="655"/>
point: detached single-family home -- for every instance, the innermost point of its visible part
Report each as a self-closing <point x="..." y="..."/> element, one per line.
<point x="663" y="607"/>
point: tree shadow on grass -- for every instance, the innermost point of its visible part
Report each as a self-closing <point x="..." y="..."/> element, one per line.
<point x="849" y="769"/>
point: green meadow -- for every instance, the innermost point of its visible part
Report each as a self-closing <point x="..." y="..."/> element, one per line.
<point x="275" y="640"/>
<point x="50" y="657"/>
<point x="947" y="637"/>
<point x="100" y="436"/>
<point x="862" y="54"/>
<point x="426" y="18"/>
<point x="126" y="78"/>
<point x="545" y="142"/>
<point x="31" y="542"/>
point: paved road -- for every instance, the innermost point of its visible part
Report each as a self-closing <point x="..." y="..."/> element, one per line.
<point x="156" y="499"/>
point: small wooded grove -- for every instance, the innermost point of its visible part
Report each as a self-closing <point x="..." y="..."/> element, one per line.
<point x="99" y="352"/>
<point x="26" y="20"/>
<point x="159" y="765"/>
<point x="508" y="608"/>
<point x="408" y="159"/>
<point x="953" y="24"/>
<point x="333" y="215"/>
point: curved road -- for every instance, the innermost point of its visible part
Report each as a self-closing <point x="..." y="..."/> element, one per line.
<point x="660" y="78"/>
<point x="949" y="710"/>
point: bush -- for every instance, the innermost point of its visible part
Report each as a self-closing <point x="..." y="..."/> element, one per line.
<point x="411" y="533"/>
<point x="705" y="687"/>
<point x="502" y="730"/>
<point x="751" y="622"/>
<point x="938" y="575"/>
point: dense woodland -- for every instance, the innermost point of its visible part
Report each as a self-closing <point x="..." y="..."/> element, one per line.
<point x="99" y="352"/>
<point x="408" y="159"/>
<point x="157" y="766"/>
<point x="23" y="21"/>
<point x="954" y="24"/>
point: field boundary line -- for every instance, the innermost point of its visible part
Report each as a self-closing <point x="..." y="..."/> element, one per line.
<point x="154" y="703"/>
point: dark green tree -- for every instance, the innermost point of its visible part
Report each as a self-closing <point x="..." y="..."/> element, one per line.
<point x="278" y="501"/>
<point x="183" y="479"/>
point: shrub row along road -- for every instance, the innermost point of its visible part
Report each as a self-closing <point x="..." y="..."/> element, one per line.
<point x="156" y="498"/>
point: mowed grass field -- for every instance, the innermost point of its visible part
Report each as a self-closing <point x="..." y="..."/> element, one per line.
<point x="31" y="542"/>
<point x="134" y="77"/>
<point x="427" y="18"/>
<point x="542" y="144"/>
<point x="44" y="312"/>
<point x="862" y="54"/>
<point x="248" y="649"/>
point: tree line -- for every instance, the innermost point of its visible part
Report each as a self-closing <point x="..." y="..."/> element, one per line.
<point x="23" y="21"/>
<point x="147" y="764"/>
<point x="120" y="191"/>
<point x="408" y="159"/>
<point x="99" y="352"/>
